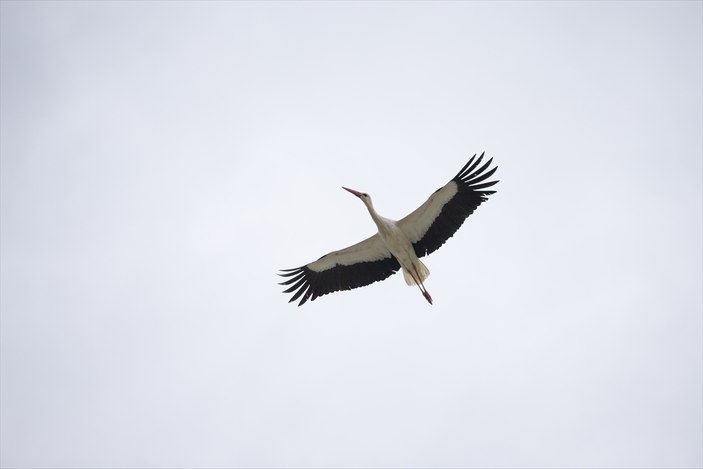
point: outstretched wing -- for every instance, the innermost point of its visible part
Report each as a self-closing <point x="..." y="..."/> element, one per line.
<point x="356" y="266"/>
<point x="435" y="221"/>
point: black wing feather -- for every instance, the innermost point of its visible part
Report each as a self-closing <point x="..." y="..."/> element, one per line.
<point x="309" y="284"/>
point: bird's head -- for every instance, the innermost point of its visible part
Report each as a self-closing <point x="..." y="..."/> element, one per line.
<point x="365" y="198"/>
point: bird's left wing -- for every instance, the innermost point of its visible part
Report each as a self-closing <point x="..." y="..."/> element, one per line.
<point x="435" y="221"/>
<point x="356" y="266"/>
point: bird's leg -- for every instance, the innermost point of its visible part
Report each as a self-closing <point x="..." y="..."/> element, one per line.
<point x="425" y="293"/>
<point x="421" y="285"/>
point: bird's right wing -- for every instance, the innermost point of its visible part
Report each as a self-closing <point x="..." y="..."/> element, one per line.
<point x="356" y="266"/>
<point x="435" y="221"/>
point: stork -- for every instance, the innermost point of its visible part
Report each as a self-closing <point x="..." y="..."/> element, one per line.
<point x="398" y="244"/>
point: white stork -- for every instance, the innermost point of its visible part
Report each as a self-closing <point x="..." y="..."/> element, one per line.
<point x="398" y="244"/>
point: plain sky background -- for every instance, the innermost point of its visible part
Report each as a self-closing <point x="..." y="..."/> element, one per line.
<point x="160" y="161"/>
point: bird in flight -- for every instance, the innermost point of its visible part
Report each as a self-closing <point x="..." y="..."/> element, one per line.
<point x="398" y="244"/>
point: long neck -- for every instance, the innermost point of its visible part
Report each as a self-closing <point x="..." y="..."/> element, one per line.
<point x="377" y="219"/>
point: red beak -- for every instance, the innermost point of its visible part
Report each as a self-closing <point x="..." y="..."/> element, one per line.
<point x="358" y="194"/>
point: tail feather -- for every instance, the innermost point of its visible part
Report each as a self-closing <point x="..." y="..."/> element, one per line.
<point x="422" y="270"/>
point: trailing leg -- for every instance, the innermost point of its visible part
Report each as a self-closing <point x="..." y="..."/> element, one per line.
<point x="417" y="281"/>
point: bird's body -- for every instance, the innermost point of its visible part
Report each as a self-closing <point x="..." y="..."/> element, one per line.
<point x="398" y="244"/>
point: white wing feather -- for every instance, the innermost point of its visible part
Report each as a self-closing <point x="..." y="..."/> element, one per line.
<point x="416" y="224"/>
<point x="369" y="250"/>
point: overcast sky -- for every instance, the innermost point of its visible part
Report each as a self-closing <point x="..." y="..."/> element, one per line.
<point x="160" y="161"/>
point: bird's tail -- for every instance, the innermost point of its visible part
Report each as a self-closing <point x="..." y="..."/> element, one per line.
<point x="422" y="271"/>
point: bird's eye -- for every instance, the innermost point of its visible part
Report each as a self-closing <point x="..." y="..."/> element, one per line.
<point x="365" y="195"/>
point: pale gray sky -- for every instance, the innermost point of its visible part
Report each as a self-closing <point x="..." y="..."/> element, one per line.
<point x="160" y="161"/>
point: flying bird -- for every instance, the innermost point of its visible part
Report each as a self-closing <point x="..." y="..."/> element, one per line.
<point x="398" y="244"/>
